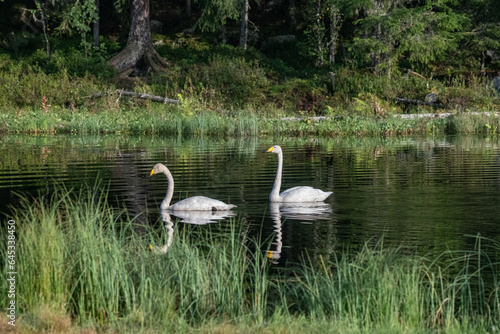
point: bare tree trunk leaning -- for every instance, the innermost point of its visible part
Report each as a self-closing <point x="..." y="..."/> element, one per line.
<point x="244" y="25"/>
<point x="139" y="44"/>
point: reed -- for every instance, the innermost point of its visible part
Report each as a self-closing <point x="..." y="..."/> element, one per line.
<point x="88" y="265"/>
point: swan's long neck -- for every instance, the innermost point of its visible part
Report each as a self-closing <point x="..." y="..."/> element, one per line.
<point x="170" y="190"/>
<point x="275" y="193"/>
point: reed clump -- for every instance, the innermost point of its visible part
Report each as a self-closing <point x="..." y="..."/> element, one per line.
<point x="90" y="266"/>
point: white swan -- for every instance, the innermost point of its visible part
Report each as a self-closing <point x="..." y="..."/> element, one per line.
<point x="300" y="194"/>
<point x="196" y="203"/>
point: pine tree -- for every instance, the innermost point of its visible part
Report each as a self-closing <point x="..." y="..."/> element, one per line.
<point x="404" y="32"/>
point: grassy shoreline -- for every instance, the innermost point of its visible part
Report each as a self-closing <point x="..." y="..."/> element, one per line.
<point x="176" y="121"/>
<point x="84" y="266"/>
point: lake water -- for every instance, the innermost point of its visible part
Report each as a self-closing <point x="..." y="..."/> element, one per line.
<point x="424" y="194"/>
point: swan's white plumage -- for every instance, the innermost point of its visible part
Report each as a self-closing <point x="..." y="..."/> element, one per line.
<point x="299" y="194"/>
<point x="196" y="203"/>
<point x="200" y="203"/>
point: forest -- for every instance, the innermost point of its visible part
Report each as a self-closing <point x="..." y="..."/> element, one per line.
<point x="312" y="57"/>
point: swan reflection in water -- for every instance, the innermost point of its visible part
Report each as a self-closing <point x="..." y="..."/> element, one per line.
<point x="169" y="225"/>
<point x="188" y="217"/>
<point x="296" y="211"/>
<point x="202" y="217"/>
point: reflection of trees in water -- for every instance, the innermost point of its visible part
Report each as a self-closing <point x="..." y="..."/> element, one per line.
<point x="128" y="187"/>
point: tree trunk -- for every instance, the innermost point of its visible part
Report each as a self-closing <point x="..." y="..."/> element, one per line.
<point x="334" y="32"/>
<point x="223" y="34"/>
<point x="95" y="29"/>
<point x="291" y="23"/>
<point x="139" y="50"/>
<point x="188" y="9"/>
<point x="319" y="40"/>
<point x="244" y="25"/>
<point x="380" y="11"/>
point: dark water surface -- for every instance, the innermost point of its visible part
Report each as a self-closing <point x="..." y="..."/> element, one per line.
<point x="424" y="194"/>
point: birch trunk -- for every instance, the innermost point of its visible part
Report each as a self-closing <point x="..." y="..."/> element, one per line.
<point x="319" y="42"/>
<point x="244" y="25"/>
<point x="95" y="30"/>
<point x="334" y="33"/>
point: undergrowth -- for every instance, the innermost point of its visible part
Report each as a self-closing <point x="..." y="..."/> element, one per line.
<point x="225" y="78"/>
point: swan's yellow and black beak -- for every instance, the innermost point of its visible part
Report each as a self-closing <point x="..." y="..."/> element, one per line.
<point x="152" y="172"/>
<point x="270" y="149"/>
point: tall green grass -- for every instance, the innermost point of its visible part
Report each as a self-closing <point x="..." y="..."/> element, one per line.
<point x="84" y="264"/>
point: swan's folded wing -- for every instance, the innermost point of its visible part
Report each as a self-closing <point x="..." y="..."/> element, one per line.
<point x="304" y="194"/>
<point x="200" y="203"/>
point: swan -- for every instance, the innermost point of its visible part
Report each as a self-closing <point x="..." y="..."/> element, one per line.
<point x="300" y="194"/>
<point x="195" y="203"/>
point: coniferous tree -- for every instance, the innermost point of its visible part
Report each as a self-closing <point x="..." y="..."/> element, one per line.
<point x="216" y="13"/>
<point x="405" y="32"/>
<point x="481" y="42"/>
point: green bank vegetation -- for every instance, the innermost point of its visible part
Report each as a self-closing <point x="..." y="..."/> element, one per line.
<point x="226" y="93"/>
<point x="49" y="77"/>
<point x="160" y="121"/>
<point x="82" y="265"/>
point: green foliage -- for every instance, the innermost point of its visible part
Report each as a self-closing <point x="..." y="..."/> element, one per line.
<point x="417" y="35"/>
<point x="215" y="14"/>
<point x="23" y="84"/>
<point x="77" y="16"/>
<point x="222" y="76"/>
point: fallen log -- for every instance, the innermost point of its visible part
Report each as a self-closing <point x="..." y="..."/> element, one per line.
<point x="419" y="102"/>
<point x="428" y="115"/>
<point x="154" y="98"/>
